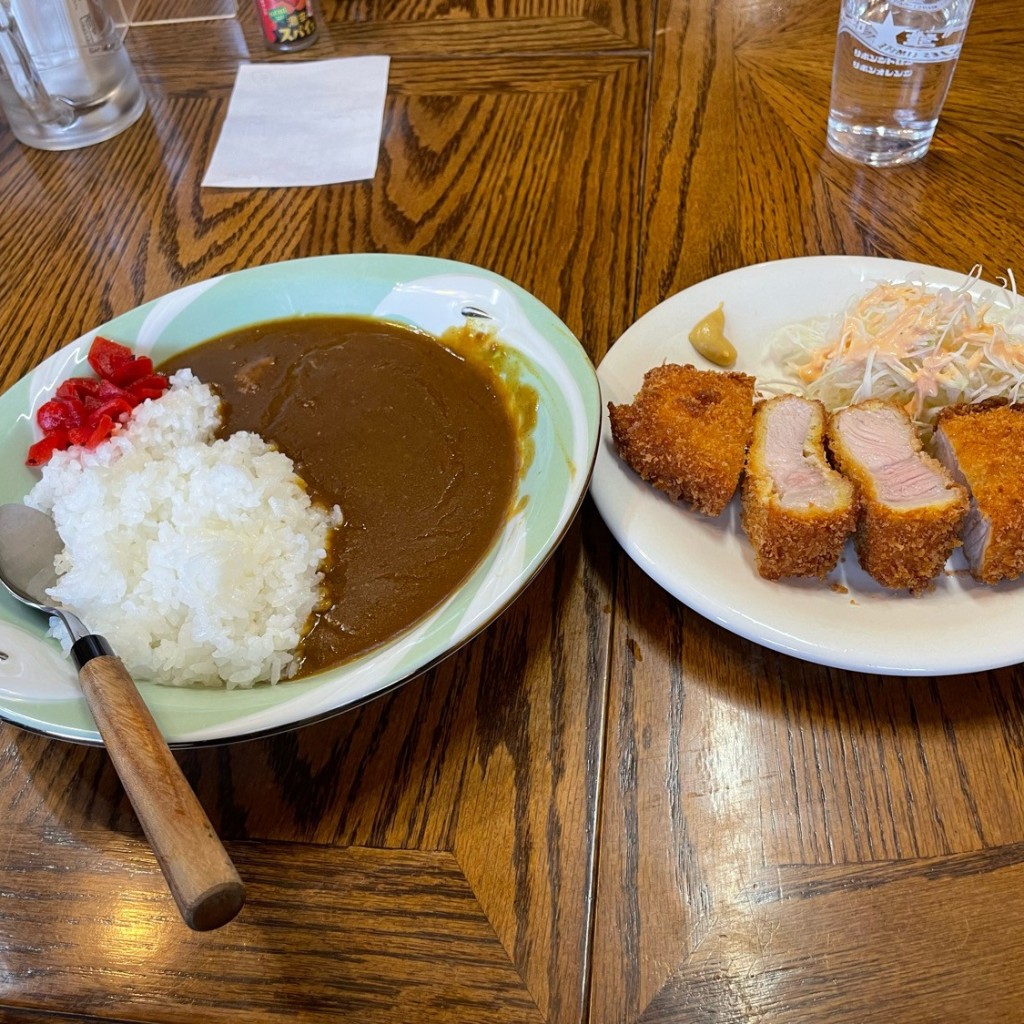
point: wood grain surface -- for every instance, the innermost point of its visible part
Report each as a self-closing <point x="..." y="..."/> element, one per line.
<point x="201" y="878"/>
<point x="781" y="841"/>
<point x="605" y="808"/>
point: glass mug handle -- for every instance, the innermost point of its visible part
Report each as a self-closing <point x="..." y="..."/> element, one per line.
<point x="25" y="78"/>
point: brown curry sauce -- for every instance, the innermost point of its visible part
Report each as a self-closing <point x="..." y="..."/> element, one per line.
<point x="419" y="441"/>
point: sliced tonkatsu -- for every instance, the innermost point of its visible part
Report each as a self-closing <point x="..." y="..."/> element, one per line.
<point x="686" y="432"/>
<point x="797" y="511"/>
<point x="911" y="510"/>
<point x="983" y="447"/>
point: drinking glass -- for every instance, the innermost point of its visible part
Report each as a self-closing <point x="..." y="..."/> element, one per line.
<point x="894" y="62"/>
<point x="65" y="78"/>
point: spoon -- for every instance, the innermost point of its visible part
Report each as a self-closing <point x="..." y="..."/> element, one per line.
<point x="199" y="872"/>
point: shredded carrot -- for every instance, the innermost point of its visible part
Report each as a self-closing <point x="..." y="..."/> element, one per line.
<point x="925" y="347"/>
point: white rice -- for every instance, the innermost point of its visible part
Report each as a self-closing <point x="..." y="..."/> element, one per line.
<point x="196" y="557"/>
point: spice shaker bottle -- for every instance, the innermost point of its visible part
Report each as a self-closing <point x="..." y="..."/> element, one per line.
<point x="287" y="24"/>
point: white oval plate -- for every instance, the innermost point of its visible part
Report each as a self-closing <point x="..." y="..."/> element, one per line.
<point x="38" y="688"/>
<point x="960" y="626"/>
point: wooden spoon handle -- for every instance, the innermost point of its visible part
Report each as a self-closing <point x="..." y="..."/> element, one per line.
<point x="202" y="879"/>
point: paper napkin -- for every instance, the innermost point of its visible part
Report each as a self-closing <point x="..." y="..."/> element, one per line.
<point x="309" y="123"/>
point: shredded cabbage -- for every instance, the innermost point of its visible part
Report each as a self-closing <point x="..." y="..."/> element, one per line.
<point x="923" y="347"/>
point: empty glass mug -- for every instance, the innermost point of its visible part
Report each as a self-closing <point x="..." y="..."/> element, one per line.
<point x="65" y="78"/>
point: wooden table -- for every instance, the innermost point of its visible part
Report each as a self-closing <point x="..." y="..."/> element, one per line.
<point x="606" y="808"/>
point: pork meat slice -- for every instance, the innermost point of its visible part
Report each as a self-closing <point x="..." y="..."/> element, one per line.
<point x="797" y="510"/>
<point x="910" y="508"/>
<point x="983" y="447"/>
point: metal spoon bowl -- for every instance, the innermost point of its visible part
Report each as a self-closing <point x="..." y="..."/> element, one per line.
<point x="198" y="870"/>
<point x="29" y="543"/>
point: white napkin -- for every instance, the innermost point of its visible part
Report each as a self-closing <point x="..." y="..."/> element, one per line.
<point x="309" y="123"/>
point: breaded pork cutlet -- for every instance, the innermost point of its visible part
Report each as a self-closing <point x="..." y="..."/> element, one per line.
<point x="983" y="447"/>
<point x="911" y="510"/>
<point x="797" y="510"/>
<point x="686" y="432"/>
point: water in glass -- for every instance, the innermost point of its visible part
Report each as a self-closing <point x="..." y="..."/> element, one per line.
<point x="893" y="66"/>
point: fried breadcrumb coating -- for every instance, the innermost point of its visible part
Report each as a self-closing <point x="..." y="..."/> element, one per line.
<point x="797" y="510"/>
<point x="984" y="447"/>
<point x="911" y="510"/>
<point x="686" y="432"/>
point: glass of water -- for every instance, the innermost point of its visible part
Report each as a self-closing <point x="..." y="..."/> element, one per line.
<point x="893" y="66"/>
<point x="66" y="80"/>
